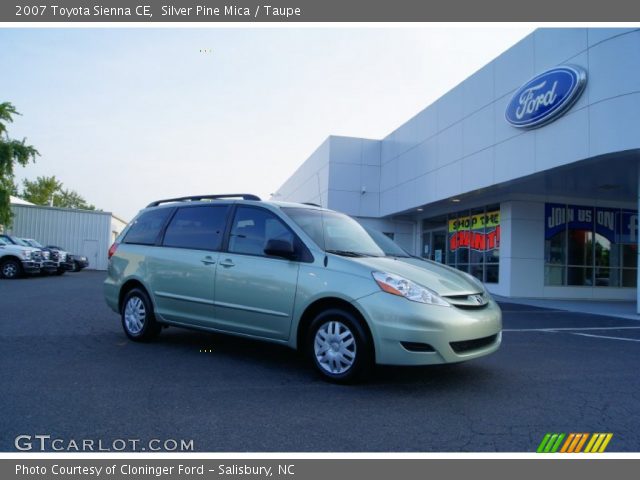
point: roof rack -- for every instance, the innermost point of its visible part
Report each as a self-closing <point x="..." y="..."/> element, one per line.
<point x="195" y="198"/>
<point x="312" y="204"/>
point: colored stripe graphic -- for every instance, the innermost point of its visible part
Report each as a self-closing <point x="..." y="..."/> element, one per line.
<point x="598" y="443"/>
<point x="543" y="443"/>
<point x="574" y="442"/>
<point x="581" y="443"/>
<point x="568" y="442"/>
<point x="550" y="443"/>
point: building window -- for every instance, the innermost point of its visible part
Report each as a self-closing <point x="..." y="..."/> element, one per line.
<point x="474" y="242"/>
<point x="592" y="247"/>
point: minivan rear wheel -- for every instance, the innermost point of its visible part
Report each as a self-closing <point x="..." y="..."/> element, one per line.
<point x="338" y="346"/>
<point x="138" y="320"/>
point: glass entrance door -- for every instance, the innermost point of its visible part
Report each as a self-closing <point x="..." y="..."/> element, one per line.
<point x="434" y="244"/>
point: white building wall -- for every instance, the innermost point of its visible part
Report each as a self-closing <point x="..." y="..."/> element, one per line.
<point x="354" y="176"/>
<point x="80" y="232"/>
<point x="521" y="249"/>
<point x="117" y="226"/>
<point x="310" y="183"/>
<point x="462" y="143"/>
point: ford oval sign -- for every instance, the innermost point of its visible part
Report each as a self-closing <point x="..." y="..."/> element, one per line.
<point x="546" y="96"/>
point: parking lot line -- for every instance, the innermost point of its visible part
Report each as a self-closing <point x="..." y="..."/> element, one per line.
<point x="606" y="337"/>
<point x="570" y="329"/>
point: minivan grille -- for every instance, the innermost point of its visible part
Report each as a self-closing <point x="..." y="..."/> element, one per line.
<point x="474" y="301"/>
<point x="475" y="344"/>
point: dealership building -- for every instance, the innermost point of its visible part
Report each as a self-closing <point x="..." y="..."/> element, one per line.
<point x="524" y="175"/>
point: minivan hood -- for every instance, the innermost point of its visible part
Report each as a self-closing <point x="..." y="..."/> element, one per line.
<point x="441" y="279"/>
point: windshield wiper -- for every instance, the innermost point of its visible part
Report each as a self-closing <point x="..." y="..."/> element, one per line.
<point x="347" y="253"/>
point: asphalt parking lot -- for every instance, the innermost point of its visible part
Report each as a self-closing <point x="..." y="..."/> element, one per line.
<point x="67" y="370"/>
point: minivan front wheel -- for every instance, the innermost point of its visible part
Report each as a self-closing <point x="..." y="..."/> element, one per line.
<point x="338" y="346"/>
<point x="138" y="320"/>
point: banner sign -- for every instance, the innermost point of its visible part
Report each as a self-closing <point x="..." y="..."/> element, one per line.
<point x="474" y="232"/>
<point x="628" y="227"/>
<point x="618" y="226"/>
<point x="473" y="222"/>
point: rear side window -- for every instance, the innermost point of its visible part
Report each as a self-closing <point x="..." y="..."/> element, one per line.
<point x="199" y="228"/>
<point x="146" y="228"/>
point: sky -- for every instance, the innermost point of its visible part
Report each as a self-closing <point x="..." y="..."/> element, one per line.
<point x="128" y="116"/>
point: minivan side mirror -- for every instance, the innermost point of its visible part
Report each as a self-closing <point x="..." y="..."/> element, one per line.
<point x="280" y="248"/>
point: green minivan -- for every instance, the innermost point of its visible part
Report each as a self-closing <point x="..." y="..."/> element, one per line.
<point x="295" y="274"/>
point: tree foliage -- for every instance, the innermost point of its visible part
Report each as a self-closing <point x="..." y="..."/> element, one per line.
<point x="50" y="191"/>
<point x="12" y="152"/>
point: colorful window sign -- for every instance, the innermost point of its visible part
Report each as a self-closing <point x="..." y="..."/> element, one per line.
<point x="619" y="226"/>
<point x="479" y="232"/>
<point x="474" y="222"/>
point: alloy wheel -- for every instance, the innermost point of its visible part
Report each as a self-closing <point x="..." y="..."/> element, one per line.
<point x="135" y="315"/>
<point x="335" y="347"/>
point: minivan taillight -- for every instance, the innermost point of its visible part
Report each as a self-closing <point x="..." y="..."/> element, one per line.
<point x="112" y="249"/>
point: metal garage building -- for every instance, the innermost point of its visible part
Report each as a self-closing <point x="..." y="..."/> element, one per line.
<point x="81" y="232"/>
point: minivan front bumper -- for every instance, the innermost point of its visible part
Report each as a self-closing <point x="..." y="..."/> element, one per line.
<point x="411" y="333"/>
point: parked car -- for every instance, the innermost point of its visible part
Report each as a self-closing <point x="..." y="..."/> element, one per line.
<point x="78" y="262"/>
<point x="47" y="265"/>
<point x="60" y="260"/>
<point x="16" y="260"/>
<point x="297" y="275"/>
<point x="51" y="264"/>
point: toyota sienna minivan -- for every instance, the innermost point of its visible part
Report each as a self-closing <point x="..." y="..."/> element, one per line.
<point x="298" y="275"/>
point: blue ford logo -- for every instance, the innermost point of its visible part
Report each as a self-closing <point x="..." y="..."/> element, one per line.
<point x="546" y="96"/>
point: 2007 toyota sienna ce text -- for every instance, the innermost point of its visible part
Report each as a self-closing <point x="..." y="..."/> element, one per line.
<point x="295" y="274"/>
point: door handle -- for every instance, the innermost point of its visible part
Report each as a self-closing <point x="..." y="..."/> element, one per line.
<point x="208" y="260"/>
<point x="227" y="263"/>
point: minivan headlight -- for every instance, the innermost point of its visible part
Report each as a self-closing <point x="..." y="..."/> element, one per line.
<point x="397" y="285"/>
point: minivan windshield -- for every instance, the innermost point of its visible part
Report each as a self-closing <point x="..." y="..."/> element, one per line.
<point x="335" y="232"/>
<point x="388" y="246"/>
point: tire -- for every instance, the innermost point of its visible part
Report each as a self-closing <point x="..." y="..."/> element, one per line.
<point x="59" y="272"/>
<point x="76" y="267"/>
<point x="138" y="320"/>
<point x="339" y="347"/>
<point x="10" y="269"/>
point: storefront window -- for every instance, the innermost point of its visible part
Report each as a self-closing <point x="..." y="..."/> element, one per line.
<point x="474" y="242"/>
<point x="587" y="246"/>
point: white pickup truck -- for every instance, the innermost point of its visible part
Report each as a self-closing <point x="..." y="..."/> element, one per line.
<point x="16" y="260"/>
<point x="57" y="261"/>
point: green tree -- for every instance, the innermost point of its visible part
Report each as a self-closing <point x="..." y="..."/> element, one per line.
<point x="50" y="191"/>
<point x="72" y="199"/>
<point x="41" y="190"/>
<point x="12" y="152"/>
